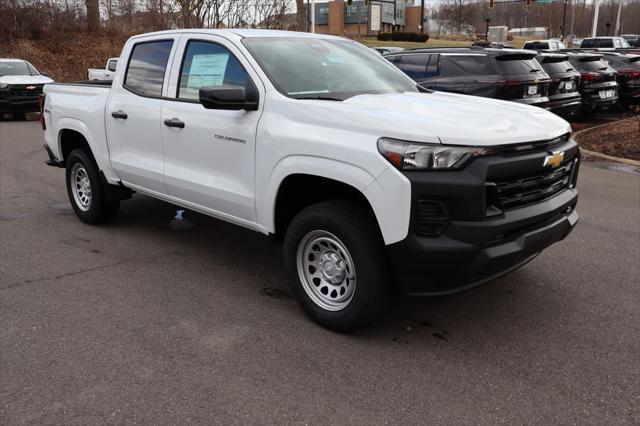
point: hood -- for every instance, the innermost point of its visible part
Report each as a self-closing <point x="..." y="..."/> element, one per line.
<point x="458" y="119"/>
<point x="25" y="79"/>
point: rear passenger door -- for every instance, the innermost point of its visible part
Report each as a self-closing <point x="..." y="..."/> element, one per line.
<point x="133" y="114"/>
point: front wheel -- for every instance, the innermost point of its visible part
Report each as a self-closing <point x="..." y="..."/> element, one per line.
<point x="337" y="265"/>
<point x="85" y="190"/>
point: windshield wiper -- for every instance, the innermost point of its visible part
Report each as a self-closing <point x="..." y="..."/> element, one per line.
<point x="319" y="98"/>
<point x="534" y="70"/>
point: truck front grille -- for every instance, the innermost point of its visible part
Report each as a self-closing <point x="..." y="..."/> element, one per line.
<point x="516" y="191"/>
<point x="23" y="90"/>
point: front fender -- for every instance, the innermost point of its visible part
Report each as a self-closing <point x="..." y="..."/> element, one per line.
<point x="389" y="194"/>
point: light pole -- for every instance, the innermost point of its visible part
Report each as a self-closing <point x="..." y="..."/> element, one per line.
<point x="594" y="28"/>
<point x="564" y="17"/>
<point x="486" y="34"/>
<point x="422" y="17"/>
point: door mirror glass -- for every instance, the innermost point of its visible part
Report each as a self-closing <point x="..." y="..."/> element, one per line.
<point x="229" y="97"/>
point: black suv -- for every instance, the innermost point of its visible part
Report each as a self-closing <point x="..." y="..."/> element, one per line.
<point x="508" y="74"/>
<point x="564" y="97"/>
<point x="628" y="68"/>
<point x="598" y="85"/>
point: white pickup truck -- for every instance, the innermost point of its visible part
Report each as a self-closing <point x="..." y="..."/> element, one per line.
<point x="103" y="74"/>
<point x="377" y="186"/>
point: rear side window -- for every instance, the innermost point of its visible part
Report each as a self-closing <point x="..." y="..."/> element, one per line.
<point x="456" y="66"/>
<point x="147" y="65"/>
<point x="536" y="45"/>
<point x="415" y="66"/>
<point x="208" y="64"/>
<point x="597" y="42"/>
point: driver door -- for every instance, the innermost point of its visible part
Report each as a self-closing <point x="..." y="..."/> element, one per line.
<point x="210" y="153"/>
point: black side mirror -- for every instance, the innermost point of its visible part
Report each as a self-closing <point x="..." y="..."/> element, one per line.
<point x="230" y="97"/>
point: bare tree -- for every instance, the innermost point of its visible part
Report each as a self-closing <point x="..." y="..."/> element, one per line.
<point x="93" y="15"/>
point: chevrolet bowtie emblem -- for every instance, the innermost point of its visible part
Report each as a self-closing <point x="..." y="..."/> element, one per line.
<point x="554" y="159"/>
<point x="31" y="87"/>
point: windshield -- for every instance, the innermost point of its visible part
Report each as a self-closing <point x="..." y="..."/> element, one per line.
<point x="592" y="64"/>
<point x="16" y="68"/>
<point x="314" y="68"/>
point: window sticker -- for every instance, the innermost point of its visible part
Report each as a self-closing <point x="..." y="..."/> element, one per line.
<point x="206" y="70"/>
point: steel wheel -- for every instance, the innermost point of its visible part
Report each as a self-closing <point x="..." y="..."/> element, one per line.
<point x="326" y="270"/>
<point x="81" y="187"/>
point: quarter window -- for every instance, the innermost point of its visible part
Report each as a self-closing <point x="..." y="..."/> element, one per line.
<point x="415" y="65"/>
<point x="208" y="64"/>
<point x="148" y="63"/>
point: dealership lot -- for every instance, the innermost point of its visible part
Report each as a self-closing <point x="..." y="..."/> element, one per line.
<point x="143" y="321"/>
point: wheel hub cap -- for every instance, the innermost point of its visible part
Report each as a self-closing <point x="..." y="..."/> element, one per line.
<point x="326" y="270"/>
<point x="80" y="186"/>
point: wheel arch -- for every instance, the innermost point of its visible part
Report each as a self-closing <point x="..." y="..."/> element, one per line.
<point x="328" y="179"/>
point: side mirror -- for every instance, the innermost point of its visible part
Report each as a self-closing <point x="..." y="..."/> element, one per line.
<point x="230" y="97"/>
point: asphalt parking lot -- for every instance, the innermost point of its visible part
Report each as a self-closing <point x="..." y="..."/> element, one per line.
<point x="139" y="321"/>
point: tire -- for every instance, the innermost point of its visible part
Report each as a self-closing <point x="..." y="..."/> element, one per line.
<point x="337" y="265"/>
<point x="19" y="116"/>
<point x="91" y="207"/>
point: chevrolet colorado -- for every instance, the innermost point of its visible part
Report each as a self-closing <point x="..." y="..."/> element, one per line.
<point x="377" y="186"/>
<point x="20" y="86"/>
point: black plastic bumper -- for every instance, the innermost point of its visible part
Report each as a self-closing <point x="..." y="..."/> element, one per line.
<point x="475" y="247"/>
<point x="539" y="101"/>
<point x="19" y="105"/>
<point x="565" y="104"/>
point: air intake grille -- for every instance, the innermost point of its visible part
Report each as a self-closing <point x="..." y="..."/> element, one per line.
<point x="431" y="218"/>
<point x="518" y="191"/>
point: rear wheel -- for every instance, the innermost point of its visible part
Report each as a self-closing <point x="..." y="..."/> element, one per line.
<point x="85" y="190"/>
<point x="336" y="264"/>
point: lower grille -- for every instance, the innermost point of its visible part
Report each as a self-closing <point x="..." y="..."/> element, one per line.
<point x="518" y="191"/>
<point x="431" y="218"/>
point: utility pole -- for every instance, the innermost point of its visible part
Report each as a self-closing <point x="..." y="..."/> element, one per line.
<point x="594" y="28"/>
<point x="564" y="17"/>
<point x="422" y="17"/>
<point x="313" y="16"/>
<point x="573" y="16"/>
<point x="617" y="30"/>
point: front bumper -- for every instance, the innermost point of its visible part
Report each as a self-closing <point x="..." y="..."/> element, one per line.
<point x="477" y="244"/>
<point x="21" y="105"/>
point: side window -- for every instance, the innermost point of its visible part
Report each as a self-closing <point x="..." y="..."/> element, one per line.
<point x="456" y="66"/>
<point x="415" y="66"/>
<point x="208" y="64"/>
<point x="148" y="63"/>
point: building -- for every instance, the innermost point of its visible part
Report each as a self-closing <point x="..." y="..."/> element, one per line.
<point x="360" y="17"/>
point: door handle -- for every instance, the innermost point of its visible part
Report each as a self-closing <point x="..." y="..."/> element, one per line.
<point x="119" y="114"/>
<point x="174" y="122"/>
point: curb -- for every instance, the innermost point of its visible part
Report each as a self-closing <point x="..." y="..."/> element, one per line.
<point x="605" y="156"/>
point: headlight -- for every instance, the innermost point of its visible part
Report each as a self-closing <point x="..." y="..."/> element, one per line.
<point x="421" y="156"/>
<point x="3" y="85"/>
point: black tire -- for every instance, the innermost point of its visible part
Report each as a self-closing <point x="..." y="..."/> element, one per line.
<point x="98" y="210"/>
<point x="354" y="226"/>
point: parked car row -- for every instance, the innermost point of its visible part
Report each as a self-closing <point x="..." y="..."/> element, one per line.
<point x="563" y="81"/>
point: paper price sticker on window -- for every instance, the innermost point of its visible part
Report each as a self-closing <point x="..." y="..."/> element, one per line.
<point x="206" y="70"/>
